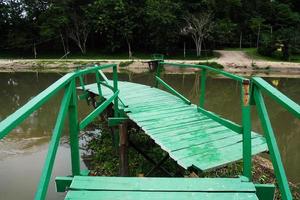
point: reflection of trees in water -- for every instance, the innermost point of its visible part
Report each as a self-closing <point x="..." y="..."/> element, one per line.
<point x="194" y="93"/>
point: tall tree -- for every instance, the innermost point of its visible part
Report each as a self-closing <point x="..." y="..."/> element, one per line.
<point x="199" y="27"/>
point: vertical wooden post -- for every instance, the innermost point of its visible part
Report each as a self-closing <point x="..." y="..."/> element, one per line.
<point x="246" y="124"/>
<point x="202" y="90"/>
<point x="123" y="149"/>
<point x="158" y="73"/>
<point x="272" y="146"/>
<point x="74" y="132"/>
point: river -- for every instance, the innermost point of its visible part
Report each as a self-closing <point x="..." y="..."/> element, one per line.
<point x="22" y="152"/>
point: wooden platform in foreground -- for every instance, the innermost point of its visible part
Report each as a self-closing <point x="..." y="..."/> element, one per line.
<point x="125" y="188"/>
<point x="191" y="138"/>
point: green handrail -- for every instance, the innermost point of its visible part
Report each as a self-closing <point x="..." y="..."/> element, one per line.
<point x="245" y="129"/>
<point x="172" y="90"/>
<point x="279" y="97"/>
<point x="259" y="85"/>
<point x="68" y="105"/>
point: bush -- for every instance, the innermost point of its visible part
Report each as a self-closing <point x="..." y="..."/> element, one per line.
<point x="267" y="45"/>
<point x="212" y="64"/>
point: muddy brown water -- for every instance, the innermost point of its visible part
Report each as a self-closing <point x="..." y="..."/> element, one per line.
<point x="22" y="152"/>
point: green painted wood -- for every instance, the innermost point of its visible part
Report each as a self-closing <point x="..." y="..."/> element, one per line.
<point x="88" y="119"/>
<point x="265" y="191"/>
<point x="173" y="124"/>
<point x="231" y="125"/>
<point x="172" y="90"/>
<point x="209" y="144"/>
<point x="126" y="195"/>
<point x="203" y="87"/>
<point x="161" y="184"/>
<point x="63" y="183"/>
<point x="272" y="144"/>
<point x="74" y="131"/>
<point x="246" y="124"/>
<point x="279" y="97"/>
<point x="52" y="149"/>
<point x="212" y="159"/>
<point x="218" y="71"/>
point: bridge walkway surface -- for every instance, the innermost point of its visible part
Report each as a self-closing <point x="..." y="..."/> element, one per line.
<point x="190" y="137"/>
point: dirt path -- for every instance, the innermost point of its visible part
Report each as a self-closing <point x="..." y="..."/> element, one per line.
<point x="238" y="59"/>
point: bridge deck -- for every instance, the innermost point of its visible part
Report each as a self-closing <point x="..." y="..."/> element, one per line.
<point x="190" y="137"/>
<point x="125" y="188"/>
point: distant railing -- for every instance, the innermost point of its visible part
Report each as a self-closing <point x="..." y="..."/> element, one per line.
<point x="68" y="106"/>
<point x="250" y="93"/>
<point x="245" y="129"/>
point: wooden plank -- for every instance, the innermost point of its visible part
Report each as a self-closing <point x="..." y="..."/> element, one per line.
<point x="173" y="128"/>
<point x="158" y="113"/>
<point x="127" y="195"/>
<point x="183" y="130"/>
<point x="158" y="123"/>
<point x="186" y="111"/>
<point x="222" y="156"/>
<point x="181" y="119"/>
<point x="186" y="134"/>
<point x="211" y="145"/>
<point x="198" y="140"/>
<point x="161" y="184"/>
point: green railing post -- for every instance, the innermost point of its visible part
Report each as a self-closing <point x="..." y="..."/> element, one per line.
<point x="116" y="100"/>
<point x="52" y="150"/>
<point x="98" y="84"/>
<point x="246" y="127"/>
<point x="158" y="73"/>
<point x="116" y="106"/>
<point x="203" y="86"/>
<point x="272" y="145"/>
<point x="74" y="131"/>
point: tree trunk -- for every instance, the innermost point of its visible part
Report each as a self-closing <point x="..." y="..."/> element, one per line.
<point x="241" y="38"/>
<point x="34" y="50"/>
<point x="258" y="33"/>
<point x="129" y="48"/>
<point x="63" y="44"/>
<point x="285" y="51"/>
<point x="200" y="47"/>
<point x="184" y="49"/>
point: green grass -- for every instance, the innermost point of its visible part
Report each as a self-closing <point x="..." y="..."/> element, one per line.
<point x="95" y="55"/>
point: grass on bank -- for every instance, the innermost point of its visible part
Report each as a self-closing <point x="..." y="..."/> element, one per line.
<point x="96" y="55"/>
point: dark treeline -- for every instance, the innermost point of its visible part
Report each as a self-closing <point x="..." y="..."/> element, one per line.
<point x="162" y="26"/>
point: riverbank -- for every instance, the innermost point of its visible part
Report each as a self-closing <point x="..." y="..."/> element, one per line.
<point x="232" y="61"/>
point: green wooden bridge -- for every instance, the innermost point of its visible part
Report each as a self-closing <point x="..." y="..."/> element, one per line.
<point x="191" y="135"/>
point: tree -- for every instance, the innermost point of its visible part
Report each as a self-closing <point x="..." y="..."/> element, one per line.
<point x="200" y="28"/>
<point x="78" y="30"/>
<point x="162" y="20"/>
<point x="224" y="31"/>
<point x="256" y="24"/>
<point x="54" y="22"/>
<point x="118" y="20"/>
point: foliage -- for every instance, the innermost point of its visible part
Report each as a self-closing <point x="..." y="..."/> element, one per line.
<point x="267" y="46"/>
<point x="212" y="64"/>
<point x="104" y="157"/>
<point x="148" y="26"/>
